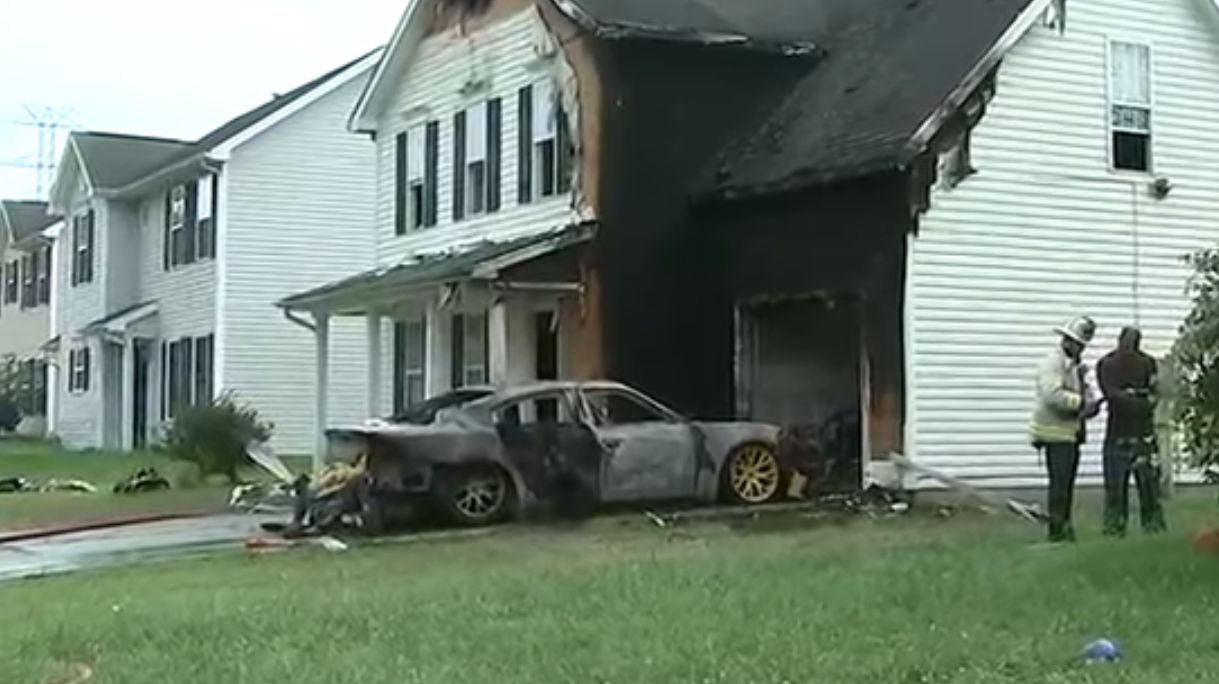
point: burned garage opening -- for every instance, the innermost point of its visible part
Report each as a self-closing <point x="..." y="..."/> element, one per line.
<point x="802" y="309"/>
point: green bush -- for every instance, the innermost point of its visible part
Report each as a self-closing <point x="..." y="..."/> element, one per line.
<point x="214" y="437"/>
<point x="14" y="393"/>
<point x="1196" y="355"/>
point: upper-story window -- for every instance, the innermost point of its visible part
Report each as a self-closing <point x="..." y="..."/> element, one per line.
<point x="1130" y="105"/>
<point x="30" y="266"/>
<point x="417" y="158"/>
<point x="545" y="151"/>
<point x="190" y="222"/>
<point x="477" y="138"/>
<point x="11" y="281"/>
<point x="82" y="248"/>
<point x="44" y="275"/>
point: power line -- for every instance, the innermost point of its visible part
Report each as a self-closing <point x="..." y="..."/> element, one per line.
<point x="49" y="121"/>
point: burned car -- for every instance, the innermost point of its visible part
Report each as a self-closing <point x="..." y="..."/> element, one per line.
<point x="557" y="445"/>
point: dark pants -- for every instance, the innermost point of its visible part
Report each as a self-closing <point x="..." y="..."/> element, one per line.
<point x="1062" y="463"/>
<point x="1122" y="457"/>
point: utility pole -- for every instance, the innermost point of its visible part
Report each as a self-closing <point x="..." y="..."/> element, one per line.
<point x="49" y="121"/>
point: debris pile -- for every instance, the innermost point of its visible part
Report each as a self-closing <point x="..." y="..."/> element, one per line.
<point x="20" y="485"/>
<point x="143" y="480"/>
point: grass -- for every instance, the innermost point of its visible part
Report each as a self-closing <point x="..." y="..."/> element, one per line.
<point x="963" y="601"/>
<point x="40" y="462"/>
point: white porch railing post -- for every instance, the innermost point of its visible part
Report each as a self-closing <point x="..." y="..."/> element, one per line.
<point x="497" y="343"/>
<point x="375" y="365"/>
<point x="322" y="385"/>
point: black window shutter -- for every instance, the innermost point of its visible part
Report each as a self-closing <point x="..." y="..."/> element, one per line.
<point x="85" y="362"/>
<point x="74" y="271"/>
<point x="164" y="381"/>
<point x="191" y="221"/>
<point x="457" y="371"/>
<point x="566" y="151"/>
<point x="431" y="180"/>
<point x="459" y="166"/>
<point x="524" y="185"/>
<point x="215" y="227"/>
<point x="166" y="253"/>
<point x="400" y="217"/>
<point x="47" y="268"/>
<point x="399" y="367"/>
<point x="88" y="258"/>
<point x="495" y="117"/>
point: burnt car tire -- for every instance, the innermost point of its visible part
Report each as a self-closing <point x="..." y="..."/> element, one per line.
<point x="475" y="496"/>
<point x="752" y="474"/>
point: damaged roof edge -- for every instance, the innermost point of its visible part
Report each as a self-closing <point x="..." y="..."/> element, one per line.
<point x="918" y="142"/>
<point x="639" y="31"/>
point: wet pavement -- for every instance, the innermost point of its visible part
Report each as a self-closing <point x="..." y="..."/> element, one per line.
<point x="128" y="544"/>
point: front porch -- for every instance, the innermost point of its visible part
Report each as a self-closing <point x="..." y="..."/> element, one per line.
<point x="498" y="313"/>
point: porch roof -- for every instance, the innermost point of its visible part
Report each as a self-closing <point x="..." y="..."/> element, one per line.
<point x="484" y="261"/>
<point x="120" y="320"/>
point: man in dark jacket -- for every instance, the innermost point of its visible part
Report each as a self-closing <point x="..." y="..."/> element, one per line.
<point x="1127" y="379"/>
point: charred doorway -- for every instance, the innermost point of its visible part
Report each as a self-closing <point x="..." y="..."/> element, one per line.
<point x="801" y="365"/>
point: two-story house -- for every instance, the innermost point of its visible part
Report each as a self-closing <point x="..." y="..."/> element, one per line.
<point x="27" y="261"/>
<point x="482" y="231"/>
<point x="175" y="252"/>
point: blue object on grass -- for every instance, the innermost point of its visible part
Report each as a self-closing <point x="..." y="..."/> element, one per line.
<point x="1103" y="651"/>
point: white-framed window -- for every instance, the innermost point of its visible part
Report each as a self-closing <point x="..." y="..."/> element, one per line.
<point x="11" y="281"/>
<point x="410" y="362"/>
<point x="544" y="137"/>
<point x="206" y="205"/>
<point x="1130" y="106"/>
<point x="545" y="154"/>
<point x="476" y="159"/>
<point x="82" y="248"/>
<point x="78" y="370"/>
<point x="45" y="255"/>
<point x="469" y="349"/>
<point x="477" y="142"/>
<point x="416" y="177"/>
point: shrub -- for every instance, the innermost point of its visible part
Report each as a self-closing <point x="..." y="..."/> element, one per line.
<point x="1196" y="355"/>
<point x="214" y="437"/>
<point x="14" y="392"/>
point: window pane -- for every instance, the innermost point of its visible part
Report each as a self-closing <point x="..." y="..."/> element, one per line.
<point x="1130" y="73"/>
<point x="1131" y="151"/>
<point x="416" y="204"/>
<point x="1131" y="118"/>
<point x="547" y="167"/>
<point x="416" y="144"/>
<point x="619" y="409"/>
<point x="476" y="187"/>
<point x="476" y="133"/>
<point x="544" y="110"/>
<point x="415" y="333"/>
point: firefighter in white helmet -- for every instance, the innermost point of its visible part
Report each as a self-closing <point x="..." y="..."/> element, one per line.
<point x="1064" y="402"/>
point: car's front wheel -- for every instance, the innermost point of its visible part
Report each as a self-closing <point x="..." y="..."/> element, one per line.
<point x="476" y="495"/>
<point x="752" y="474"/>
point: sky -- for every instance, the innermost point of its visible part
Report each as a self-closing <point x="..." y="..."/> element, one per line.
<point x="153" y="67"/>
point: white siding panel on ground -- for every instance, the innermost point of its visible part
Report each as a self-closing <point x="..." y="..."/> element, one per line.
<point x="432" y="86"/>
<point x="1045" y="231"/>
<point x="300" y="213"/>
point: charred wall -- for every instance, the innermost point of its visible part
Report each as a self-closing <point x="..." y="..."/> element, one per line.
<point x="844" y="240"/>
<point x="666" y="110"/>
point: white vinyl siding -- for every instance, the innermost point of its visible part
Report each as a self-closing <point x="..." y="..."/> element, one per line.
<point x="504" y="54"/>
<point x="299" y="214"/>
<point x="1045" y="230"/>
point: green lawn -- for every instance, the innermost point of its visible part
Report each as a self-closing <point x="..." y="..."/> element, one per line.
<point x="39" y="462"/>
<point x="969" y="600"/>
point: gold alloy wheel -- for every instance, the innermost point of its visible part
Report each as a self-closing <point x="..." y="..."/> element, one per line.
<point x="754" y="474"/>
<point x="482" y="495"/>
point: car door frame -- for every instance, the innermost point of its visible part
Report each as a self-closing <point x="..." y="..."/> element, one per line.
<point x="671" y="451"/>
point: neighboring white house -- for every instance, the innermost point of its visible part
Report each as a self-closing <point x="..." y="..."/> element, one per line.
<point x="475" y="170"/>
<point x="26" y="267"/>
<point x="177" y="251"/>
<point x="1096" y="173"/>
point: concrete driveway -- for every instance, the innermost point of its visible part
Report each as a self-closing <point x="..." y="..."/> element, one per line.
<point x="126" y="544"/>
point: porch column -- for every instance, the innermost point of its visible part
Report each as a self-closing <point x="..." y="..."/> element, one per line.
<point x="127" y="402"/>
<point x="497" y="343"/>
<point x="439" y="352"/>
<point x="322" y="385"/>
<point x="375" y="364"/>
